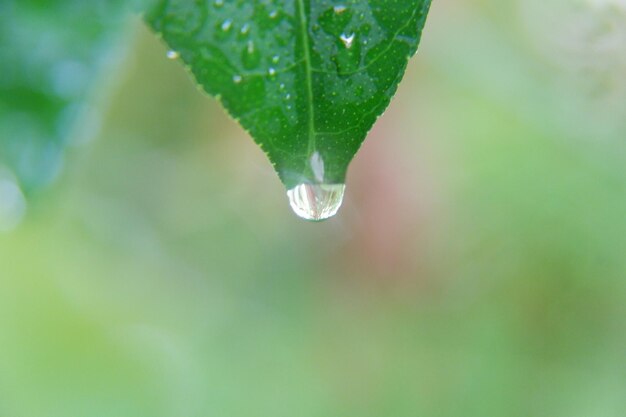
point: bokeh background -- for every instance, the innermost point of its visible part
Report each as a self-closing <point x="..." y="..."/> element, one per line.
<point x="150" y="264"/>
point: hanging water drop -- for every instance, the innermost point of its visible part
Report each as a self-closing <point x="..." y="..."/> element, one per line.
<point x="316" y="202"/>
<point x="347" y="40"/>
<point x="171" y="54"/>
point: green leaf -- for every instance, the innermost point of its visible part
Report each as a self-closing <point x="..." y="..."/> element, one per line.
<point x="306" y="78"/>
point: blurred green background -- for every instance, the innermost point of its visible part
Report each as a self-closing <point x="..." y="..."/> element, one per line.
<point x="477" y="268"/>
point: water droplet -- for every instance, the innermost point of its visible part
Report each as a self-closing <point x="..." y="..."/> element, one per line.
<point x="237" y="79"/>
<point x="347" y="39"/>
<point x="273" y="14"/>
<point x="275" y="59"/>
<point x="281" y="86"/>
<point x="245" y="29"/>
<point x="316" y="201"/>
<point x="271" y="71"/>
<point x="340" y="9"/>
<point x="251" y="57"/>
<point x="228" y="23"/>
<point x="171" y="54"/>
<point x="288" y="96"/>
<point x="219" y="3"/>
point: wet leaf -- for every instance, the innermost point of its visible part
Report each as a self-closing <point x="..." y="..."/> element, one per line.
<point x="306" y="78"/>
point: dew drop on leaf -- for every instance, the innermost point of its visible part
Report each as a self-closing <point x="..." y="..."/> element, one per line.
<point x="347" y="40"/>
<point x="227" y="25"/>
<point x="171" y="54"/>
<point x="316" y="202"/>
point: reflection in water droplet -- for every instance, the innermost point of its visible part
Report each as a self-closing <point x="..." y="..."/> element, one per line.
<point x="347" y="39"/>
<point x="237" y="79"/>
<point x="275" y="59"/>
<point x="245" y="29"/>
<point x="172" y="54"/>
<point x="317" y="166"/>
<point x="271" y="71"/>
<point x="340" y="9"/>
<point x="316" y="201"/>
<point x="273" y="14"/>
<point x="219" y="3"/>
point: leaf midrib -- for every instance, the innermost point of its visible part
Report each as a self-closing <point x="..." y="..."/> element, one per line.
<point x="309" y="76"/>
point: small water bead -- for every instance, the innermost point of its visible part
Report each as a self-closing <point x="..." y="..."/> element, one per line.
<point x="219" y="3"/>
<point x="237" y="79"/>
<point x="316" y="202"/>
<point x="251" y="57"/>
<point x="171" y="54"/>
<point x="340" y="9"/>
<point x="228" y="23"/>
<point x="347" y="40"/>
<point x="271" y="71"/>
<point x="273" y="14"/>
<point x="245" y="29"/>
<point x="275" y="59"/>
<point x="281" y="86"/>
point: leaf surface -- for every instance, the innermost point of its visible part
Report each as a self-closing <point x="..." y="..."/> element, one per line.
<point x="306" y="78"/>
